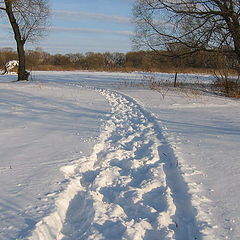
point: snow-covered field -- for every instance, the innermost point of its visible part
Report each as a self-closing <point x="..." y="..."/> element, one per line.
<point x="84" y="156"/>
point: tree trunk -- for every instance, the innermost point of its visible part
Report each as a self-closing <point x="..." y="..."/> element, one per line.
<point x="22" y="73"/>
<point x="234" y="28"/>
<point x="236" y="40"/>
<point x="232" y="20"/>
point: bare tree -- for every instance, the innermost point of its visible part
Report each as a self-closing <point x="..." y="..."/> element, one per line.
<point x="188" y="26"/>
<point x="27" y="19"/>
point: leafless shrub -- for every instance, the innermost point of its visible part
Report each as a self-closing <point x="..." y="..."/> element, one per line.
<point x="152" y="82"/>
<point x="227" y="84"/>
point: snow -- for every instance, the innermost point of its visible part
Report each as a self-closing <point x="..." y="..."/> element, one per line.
<point x="86" y="156"/>
<point x="43" y="127"/>
<point x="204" y="132"/>
<point x="10" y="66"/>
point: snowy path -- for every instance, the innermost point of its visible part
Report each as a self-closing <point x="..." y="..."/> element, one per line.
<point x="42" y="128"/>
<point x="130" y="187"/>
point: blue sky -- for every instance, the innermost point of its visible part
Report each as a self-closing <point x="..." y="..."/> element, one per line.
<point x="83" y="26"/>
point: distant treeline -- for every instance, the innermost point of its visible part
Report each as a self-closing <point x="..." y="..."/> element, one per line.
<point x="131" y="61"/>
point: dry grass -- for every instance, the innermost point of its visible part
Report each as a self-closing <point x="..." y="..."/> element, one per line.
<point x="52" y="68"/>
<point x="149" y="81"/>
<point x="130" y="69"/>
<point x="210" y="71"/>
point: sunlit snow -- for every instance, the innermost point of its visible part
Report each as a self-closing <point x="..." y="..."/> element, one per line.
<point x="90" y="155"/>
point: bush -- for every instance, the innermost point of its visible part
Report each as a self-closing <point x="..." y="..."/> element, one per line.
<point x="227" y="84"/>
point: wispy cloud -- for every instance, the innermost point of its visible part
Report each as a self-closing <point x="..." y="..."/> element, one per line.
<point x="97" y="16"/>
<point x="91" y="30"/>
<point x="83" y="46"/>
<point x="5" y="26"/>
<point x="6" y="42"/>
<point x="74" y="29"/>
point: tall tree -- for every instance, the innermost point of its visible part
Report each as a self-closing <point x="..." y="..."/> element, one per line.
<point x="188" y="26"/>
<point x="27" y="19"/>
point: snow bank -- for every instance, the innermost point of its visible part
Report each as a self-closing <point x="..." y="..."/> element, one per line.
<point x="172" y="175"/>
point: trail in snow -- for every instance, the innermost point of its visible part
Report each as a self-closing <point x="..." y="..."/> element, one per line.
<point x="128" y="188"/>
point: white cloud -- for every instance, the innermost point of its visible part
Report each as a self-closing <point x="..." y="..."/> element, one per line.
<point x="5" y="26"/>
<point x="75" y="29"/>
<point x="91" y="30"/>
<point x="97" y="16"/>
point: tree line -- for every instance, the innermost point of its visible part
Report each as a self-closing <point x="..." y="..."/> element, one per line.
<point x="132" y="61"/>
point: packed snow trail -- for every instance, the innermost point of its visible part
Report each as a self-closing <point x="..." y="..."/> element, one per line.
<point x="128" y="188"/>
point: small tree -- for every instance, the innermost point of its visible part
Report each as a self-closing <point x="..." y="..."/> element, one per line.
<point x="27" y="19"/>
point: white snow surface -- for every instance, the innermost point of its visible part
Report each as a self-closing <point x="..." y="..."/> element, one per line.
<point x="12" y="64"/>
<point x="85" y="156"/>
<point x="9" y="66"/>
